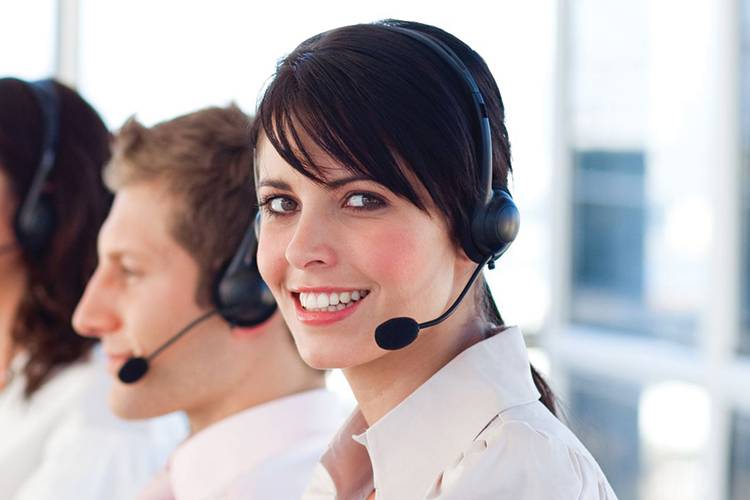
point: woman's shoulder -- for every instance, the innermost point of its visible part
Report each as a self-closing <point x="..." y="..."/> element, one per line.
<point x="525" y="453"/>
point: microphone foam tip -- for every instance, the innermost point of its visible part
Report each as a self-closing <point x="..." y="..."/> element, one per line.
<point x="133" y="370"/>
<point x="396" y="333"/>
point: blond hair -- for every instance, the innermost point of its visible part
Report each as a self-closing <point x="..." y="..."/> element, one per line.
<point x="204" y="159"/>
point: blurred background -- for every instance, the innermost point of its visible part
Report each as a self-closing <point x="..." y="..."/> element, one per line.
<point x="630" y="126"/>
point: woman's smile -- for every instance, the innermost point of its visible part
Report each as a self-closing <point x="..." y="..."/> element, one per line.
<point x="323" y="306"/>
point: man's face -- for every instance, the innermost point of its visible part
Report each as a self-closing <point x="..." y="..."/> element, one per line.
<point x="142" y="293"/>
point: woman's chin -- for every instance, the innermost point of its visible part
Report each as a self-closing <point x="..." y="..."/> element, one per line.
<point x="332" y="353"/>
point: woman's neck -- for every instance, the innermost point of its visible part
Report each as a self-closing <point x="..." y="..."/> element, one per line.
<point x="382" y="384"/>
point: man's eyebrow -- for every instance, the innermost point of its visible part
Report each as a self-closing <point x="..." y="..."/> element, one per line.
<point x="121" y="252"/>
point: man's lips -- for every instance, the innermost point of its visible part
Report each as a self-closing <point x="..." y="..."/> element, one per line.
<point x="116" y="360"/>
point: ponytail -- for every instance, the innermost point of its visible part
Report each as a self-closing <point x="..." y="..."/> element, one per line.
<point x="491" y="312"/>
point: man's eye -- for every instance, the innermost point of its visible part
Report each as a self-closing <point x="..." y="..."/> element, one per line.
<point x="364" y="201"/>
<point x="129" y="273"/>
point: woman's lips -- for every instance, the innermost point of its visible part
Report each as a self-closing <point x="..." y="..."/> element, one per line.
<point x="319" y="318"/>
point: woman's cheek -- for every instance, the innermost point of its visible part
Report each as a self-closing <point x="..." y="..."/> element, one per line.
<point x="392" y="256"/>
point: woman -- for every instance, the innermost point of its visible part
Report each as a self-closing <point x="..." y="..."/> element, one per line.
<point x="58" y="439"/>
<point x="371" y="143"/>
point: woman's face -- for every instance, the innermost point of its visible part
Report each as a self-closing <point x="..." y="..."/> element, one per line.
<point x="343" y="257"/>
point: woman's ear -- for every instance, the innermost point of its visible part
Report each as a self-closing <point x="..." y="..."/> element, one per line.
<point x="464" y="266"/>
<point x="461" y="254"/>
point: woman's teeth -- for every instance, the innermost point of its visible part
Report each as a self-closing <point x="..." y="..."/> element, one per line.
<point x="334" y="301"/>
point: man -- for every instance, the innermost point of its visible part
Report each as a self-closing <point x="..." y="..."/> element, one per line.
<point x="259" y="417"/>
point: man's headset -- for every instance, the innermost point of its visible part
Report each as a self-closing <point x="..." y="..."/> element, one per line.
<point x="495" y="219"/>
<point x="240" y="297"/>
<point x="35" y="220"/>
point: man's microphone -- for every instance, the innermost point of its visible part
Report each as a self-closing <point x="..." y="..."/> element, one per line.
<point x="136" y="367"/>
<point x="397" y="333"/>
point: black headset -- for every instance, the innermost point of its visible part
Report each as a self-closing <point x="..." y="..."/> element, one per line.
<point x="36" y="219"/>
<point x="241" y="296"/>
<point x="495" y="219"/>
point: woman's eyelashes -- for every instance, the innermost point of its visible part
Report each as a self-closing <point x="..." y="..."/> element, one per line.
<point x="364" y="201"/>
<point x="277" y="205"/>
<point x="283" y="205"/>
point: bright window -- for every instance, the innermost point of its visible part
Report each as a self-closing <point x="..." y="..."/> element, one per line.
<point x="649" y="439"/>
<point x="27" y="38"/>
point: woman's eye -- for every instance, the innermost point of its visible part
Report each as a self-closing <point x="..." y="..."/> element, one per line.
<point x="281" y="205"/>
<point x="364" y="201"/>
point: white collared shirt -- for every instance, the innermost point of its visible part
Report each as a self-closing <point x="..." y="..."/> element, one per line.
<point x="64" y="444"/>
<point x="268" y="451"/>
<point x="475" y="430"/>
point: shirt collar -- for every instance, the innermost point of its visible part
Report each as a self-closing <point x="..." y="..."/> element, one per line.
<point x="18" y="362"/>
<point x="209" y="462"/>
<point x="435" y="423"/>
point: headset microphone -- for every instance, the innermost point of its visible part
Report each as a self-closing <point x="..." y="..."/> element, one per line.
<point x="135" y="368"/>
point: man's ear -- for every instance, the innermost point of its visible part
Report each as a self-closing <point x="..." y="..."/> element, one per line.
<point x="258" y="330"/>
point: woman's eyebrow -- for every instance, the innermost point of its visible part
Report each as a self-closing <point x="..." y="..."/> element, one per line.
<point x="274" y="183"/>
<point x="330" y="185"/>
<point x="343" y="181"/>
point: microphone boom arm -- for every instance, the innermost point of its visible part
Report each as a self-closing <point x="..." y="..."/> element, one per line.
<point x="453" y="307"/>
<point x="178" y="335"/>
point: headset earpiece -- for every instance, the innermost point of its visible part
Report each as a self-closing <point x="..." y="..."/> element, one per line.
<point x="493" y="228"/>
<point x="34" y="226"/>
<point x="241" y="296"/>
<point x="36" y="220"/>
<point x="496" y="220"/>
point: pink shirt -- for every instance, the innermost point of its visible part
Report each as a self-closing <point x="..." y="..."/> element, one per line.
<point x="265" y="452"/>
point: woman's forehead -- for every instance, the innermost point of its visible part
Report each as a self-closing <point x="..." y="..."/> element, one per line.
<point x="326" y="170"/>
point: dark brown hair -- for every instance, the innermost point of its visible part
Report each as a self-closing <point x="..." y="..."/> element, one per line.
<point x="378" y="101"/>
<point x="204" y="159"/>
<point x="57" y="278"/>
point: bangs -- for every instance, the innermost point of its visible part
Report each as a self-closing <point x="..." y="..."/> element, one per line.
<point x="311" y="103"/>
